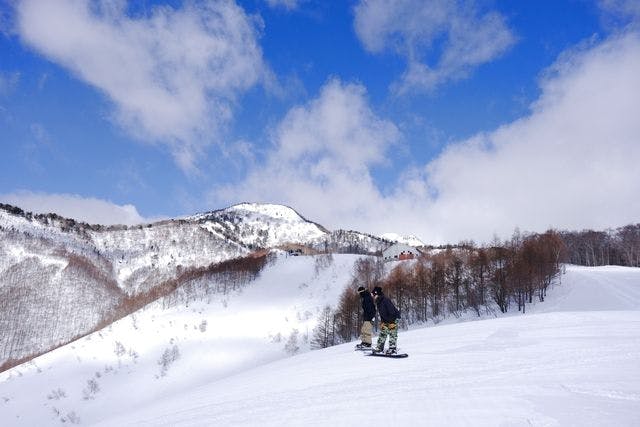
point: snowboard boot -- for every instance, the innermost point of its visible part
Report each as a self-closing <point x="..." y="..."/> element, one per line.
<point x="391" y="350"/>
<point x="363" y="346"/>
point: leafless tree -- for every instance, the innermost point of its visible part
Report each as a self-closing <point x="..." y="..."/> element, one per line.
<point x="324" y="334"/>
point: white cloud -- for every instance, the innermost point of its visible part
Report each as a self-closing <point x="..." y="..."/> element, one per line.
<point x="173" y="77"/>
<point x="8" y="82"/>
<point x="571" y="163"/>
<point x="625" y="12"/>
<point x="321" y="158"/>
<point x="5" y="18"/>
<point x="89" y="210"/>
<point x="286" y="4"/>
<point x="412" y="29"/>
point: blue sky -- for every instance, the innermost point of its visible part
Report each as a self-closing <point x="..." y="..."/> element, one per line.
<point x="445" y="119"/>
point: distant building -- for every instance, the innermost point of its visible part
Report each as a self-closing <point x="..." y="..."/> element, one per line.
<point x="399" y="252"/>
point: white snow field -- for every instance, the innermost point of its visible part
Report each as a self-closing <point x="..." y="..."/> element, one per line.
<point x="573" y="360"/>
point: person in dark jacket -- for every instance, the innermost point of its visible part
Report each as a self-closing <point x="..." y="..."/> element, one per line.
<point x="368" y="313"/>
<point x="389" y="316"/>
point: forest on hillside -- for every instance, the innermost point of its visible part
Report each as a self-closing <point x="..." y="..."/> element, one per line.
<point x="611" y="247"/>
<point x="451" y="280"/>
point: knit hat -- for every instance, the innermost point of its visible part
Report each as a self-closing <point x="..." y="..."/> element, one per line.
<point x="377" y="291"/>
<point x="361" y="289"/>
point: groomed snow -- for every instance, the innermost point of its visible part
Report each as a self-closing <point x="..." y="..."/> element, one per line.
<point x="556" y="369"/>
<point x="573" y="360"/>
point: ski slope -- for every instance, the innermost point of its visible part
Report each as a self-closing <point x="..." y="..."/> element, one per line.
<point x="118" y="368"/>
<point x="559" y="369"/>
<point x="573" y="360"/>
<point x="576" y="367"/>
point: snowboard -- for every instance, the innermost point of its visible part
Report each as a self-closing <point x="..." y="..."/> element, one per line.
<point x="393" y="356"/>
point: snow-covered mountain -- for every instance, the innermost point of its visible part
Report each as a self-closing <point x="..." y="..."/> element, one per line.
<point x="273" y="226"/>
<point x="261" y="225"/>
<point x="60" y="279"/>
<point x="572" y="360"/>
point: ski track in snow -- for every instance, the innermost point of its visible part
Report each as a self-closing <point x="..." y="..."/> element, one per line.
<point x="573" y="360"/>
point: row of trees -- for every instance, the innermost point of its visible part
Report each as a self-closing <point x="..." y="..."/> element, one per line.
<point x="450" y="282"/>
<point x="218" y="278"/>
<point x="611" y="247"/>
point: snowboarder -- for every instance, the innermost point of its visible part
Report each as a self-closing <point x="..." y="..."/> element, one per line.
<point x="369" y="312"/>
<point x="389" y="316"/>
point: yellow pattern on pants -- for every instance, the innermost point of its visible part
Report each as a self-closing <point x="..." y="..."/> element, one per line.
<point x="390" y="330"/>
<point x="366" y="332"/>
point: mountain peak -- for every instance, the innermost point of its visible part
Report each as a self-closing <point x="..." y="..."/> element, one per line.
<point x="267" y="209"/>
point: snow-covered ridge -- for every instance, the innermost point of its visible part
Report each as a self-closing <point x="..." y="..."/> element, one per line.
<point x="270" y="210"/>
<point x="261" y="225"/>
<point x="410" y="240"/>
<point x="265" y="210"/>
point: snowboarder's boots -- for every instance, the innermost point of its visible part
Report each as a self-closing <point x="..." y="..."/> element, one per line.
<point x="363" y="345"/>
<point x="391" y="350"/>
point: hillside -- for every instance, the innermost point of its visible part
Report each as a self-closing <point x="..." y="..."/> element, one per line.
<point x="572" y="360"/>
<point x="60" y="279"/>
<point x="174" y="343"/>
<point x="566" y="368"/>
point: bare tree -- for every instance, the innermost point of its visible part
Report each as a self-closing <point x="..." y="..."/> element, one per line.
<point x="324" y="334"/>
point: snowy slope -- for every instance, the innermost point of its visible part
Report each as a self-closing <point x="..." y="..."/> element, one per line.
<point x="595" y="289"/>
<point x="573" y="368"/>
<point x="573" y="360"/>
<point x="542" y="370"/>
<point x="117" y="369"/>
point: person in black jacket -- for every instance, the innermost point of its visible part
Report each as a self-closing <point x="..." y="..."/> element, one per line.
<point x="369" y="312"/>
<point x="389" y="316"/>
